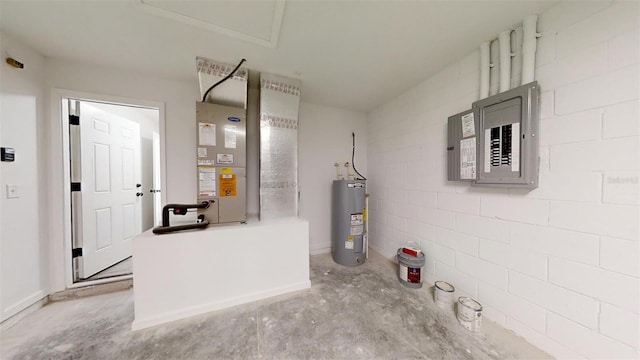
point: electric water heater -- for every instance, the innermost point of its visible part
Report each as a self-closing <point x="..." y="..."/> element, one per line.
<point x="349" y="214"/>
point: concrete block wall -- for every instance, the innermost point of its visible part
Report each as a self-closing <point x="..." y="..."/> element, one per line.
<point x="559" y="265"/>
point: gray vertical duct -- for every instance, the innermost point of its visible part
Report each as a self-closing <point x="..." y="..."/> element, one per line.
<point x="279" y="103"/>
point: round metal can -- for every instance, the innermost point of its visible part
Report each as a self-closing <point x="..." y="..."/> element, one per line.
<point x="443" y="295"/>
<point x="469" y="313"/>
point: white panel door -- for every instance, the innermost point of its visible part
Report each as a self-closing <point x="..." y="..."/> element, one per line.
<point x="111" y="209"/>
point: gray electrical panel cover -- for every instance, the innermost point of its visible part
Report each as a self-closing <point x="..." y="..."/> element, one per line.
<point x="495" y="143"/>
<point x="508" y="138"/>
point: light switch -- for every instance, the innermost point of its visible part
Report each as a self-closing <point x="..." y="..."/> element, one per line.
<point x="13" y="191"/>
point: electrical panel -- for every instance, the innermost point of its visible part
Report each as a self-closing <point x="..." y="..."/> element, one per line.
<point x="504" y="129"/>
<point x="221" y="138"/>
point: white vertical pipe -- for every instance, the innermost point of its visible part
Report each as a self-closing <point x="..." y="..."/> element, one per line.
<point x="485" y="49"/>
<point x="529" y="45"/>
<point x="505" y="60"/>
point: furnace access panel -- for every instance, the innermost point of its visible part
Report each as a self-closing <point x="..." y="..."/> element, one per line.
<point x="501" y="133"/>
<point x="222" y="158"/>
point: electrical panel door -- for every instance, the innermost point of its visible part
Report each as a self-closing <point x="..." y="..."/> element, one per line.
<point x="462" y="146"/>
<point x="507" y="138"/>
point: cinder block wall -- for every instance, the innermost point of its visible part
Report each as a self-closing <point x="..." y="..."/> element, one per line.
<point x="558" y="265"/>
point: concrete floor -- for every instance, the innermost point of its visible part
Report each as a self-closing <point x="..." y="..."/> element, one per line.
<point x="124" y="267"/>
<point x="349" y="313"/>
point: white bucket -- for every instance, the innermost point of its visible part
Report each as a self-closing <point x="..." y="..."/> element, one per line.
<point x="469" y="314"/>
<point x="443" y="295"/>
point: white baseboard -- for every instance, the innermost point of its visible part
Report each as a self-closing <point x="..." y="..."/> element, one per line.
<point x="23" y="304"/>
<point x="139" y="324"/>
<point x="320" y="250"/>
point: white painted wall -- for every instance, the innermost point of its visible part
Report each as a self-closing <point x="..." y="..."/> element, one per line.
<point x="178" y="98"/>
<point x="23" y="251"/>
<point x="559" y="265"/>
<point x="327" y="140"/>
<point x="324" y="138"/>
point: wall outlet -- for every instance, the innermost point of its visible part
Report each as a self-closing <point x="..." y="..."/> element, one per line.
<point x="13" y="191"/>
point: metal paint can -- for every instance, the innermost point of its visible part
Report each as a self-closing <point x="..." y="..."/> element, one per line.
<point x="443" y="295"/>
<point x="469" y="313"/>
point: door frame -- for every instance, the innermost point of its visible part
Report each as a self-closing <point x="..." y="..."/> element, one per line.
<point x="59" y="206"/>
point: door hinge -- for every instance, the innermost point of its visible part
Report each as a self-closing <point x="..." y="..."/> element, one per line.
<point x="76" y="186"/>
<point x="77" y="252"/>
<point x="74" y="120"/>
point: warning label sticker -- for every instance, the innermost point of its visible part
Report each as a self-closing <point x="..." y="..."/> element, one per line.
<point x="227" y="185"/>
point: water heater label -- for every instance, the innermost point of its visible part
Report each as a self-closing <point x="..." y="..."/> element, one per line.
<point x="349" y="243"/>
<point x="357" y="230"/>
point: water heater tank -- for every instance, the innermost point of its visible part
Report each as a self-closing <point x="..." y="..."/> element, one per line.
<point x="348" y="222"/>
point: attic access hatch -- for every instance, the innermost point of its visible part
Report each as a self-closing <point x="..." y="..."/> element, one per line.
<point x="494" y="143"/>
<point x="258" y="22"/>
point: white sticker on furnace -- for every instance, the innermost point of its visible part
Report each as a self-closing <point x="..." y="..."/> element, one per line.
<point x="202" y="152"/>
<point x="206" y="134"/>
<point x="230" y="137"/>
<point x="207" y="181"/>
<point x="226" y="159"/>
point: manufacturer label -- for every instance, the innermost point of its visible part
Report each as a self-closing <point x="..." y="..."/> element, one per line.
<point x="409" y="274"/>
<point x="413" y="275"/>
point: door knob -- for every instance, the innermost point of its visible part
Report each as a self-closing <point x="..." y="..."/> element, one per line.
<point x="139" y="194"/>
